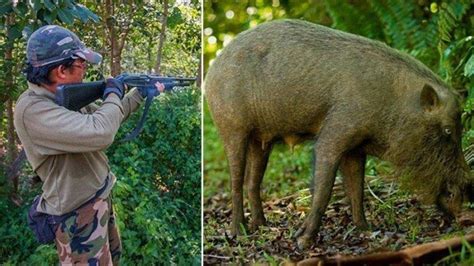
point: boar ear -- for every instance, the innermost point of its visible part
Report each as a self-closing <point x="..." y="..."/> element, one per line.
<point x="429" y="98"/>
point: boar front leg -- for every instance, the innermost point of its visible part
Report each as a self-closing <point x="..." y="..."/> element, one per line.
<point x="352" y="168"/>
<point x="257" y="159"/>
<point x="235" y="147"/>
<point x="333" y="142"/>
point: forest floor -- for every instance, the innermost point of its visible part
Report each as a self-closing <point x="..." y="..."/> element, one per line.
<point x="397" y="219"/>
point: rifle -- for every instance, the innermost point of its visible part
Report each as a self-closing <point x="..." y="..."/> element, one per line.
<point x="76" y="96"/>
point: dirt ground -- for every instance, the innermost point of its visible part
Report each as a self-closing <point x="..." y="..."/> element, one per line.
<point x="397" y="219"/>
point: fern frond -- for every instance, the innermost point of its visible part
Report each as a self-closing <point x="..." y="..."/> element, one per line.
<point x="449" y="16"/>
<point x="354" y="18"/>
<point x="451" y="51"/>
<point x="390" y="28"/>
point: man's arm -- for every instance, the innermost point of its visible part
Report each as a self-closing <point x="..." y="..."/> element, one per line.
<point x="131" y="102"/>
<point x="89" y="109"/>
<point x="56" y="130"/>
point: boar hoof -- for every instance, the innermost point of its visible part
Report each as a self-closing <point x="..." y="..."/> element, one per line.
<point x="364" y="226"/>
<point x="256" y="224"/>
<point x="304" y="242"/>
<point x="299" y="232"/>
<point x="238" y="229"/>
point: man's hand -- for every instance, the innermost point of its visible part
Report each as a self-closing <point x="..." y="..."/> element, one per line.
<point x="160" y="87"/>
<point x="114" y="86"/>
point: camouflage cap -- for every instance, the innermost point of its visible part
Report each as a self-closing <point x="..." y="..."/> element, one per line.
<point x="52" y="43"/>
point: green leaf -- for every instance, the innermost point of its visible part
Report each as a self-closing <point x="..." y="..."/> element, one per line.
<point x="68" y="3"/>
<point x="49" y="5"/>
<point x="85" y="12"/>
<point x="65" y="16"/>
<point x="75" y="13"/>
<point x="5" y="9"/>
<point x="14" y="32"/>
<point x="175" y="18"/>
<point x="35" y="5"/>
<point x="49" y="17"/>
<point x="469" y="67"/>
<point x="21" y="9"/>
<point x="28" y="30"/>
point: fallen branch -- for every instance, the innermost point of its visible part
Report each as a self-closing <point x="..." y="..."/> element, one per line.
<point x="217" y="257"/>
<point x="418" y="255"/>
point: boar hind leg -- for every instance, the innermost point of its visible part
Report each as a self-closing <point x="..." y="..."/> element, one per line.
<point x="352" y="168"/>
<point x="235" y="147"/>
<point x="257" y="159"/>
<point x="331" y="145"/>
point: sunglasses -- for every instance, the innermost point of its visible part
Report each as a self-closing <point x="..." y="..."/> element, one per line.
<point x="82" y="65"/>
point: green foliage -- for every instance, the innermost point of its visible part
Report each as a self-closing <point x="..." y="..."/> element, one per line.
<point x="158" y="193"/>
<point x="463" y="257"/>
<point x="182" y="48"/>
<point x="17" y="243"/>
<point x="353" y="18"/>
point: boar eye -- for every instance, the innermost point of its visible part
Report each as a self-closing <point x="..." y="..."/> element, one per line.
<point x="447" y="131"/>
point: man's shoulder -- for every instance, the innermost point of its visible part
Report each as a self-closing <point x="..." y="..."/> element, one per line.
<point x="29" y="99"/>
<point x="29" y="96"/>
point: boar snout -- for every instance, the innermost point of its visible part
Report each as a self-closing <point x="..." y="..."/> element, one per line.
<point x="469" y="193"/>
<point x="450" y="201"/>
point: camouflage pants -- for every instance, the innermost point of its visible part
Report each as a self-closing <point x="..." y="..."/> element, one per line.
<point x="90" y="236"/>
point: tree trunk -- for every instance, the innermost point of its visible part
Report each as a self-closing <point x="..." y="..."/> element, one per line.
<point x="150" y="48"/>
<point x="117" y="35"/>
<point x="10" y="130"/>
<point x="198" y="78"/>
<point x="11" y="146"/>
<point x="7" y="56"/>
<point x="164" y="20"/>
<point x="11" y="140"/>
<point x="12" y="150"/>
<point x="3" y="154"/>
<point x="110" y="24"/>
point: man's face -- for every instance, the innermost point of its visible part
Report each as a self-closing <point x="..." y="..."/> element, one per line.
<point x="76" y="72"/>
<point x="63" y="74"/>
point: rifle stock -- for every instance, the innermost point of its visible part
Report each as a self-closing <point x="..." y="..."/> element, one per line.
<point x="76" y="96"/>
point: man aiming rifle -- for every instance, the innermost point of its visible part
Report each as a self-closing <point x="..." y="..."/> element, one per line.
<point x="66" y="149"/>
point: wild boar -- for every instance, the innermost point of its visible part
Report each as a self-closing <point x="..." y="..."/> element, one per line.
<point x="292" y="80"/>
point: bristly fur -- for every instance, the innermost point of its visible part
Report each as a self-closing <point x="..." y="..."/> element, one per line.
<point x="428" y="162"/>
<point x="386" y="53"/>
